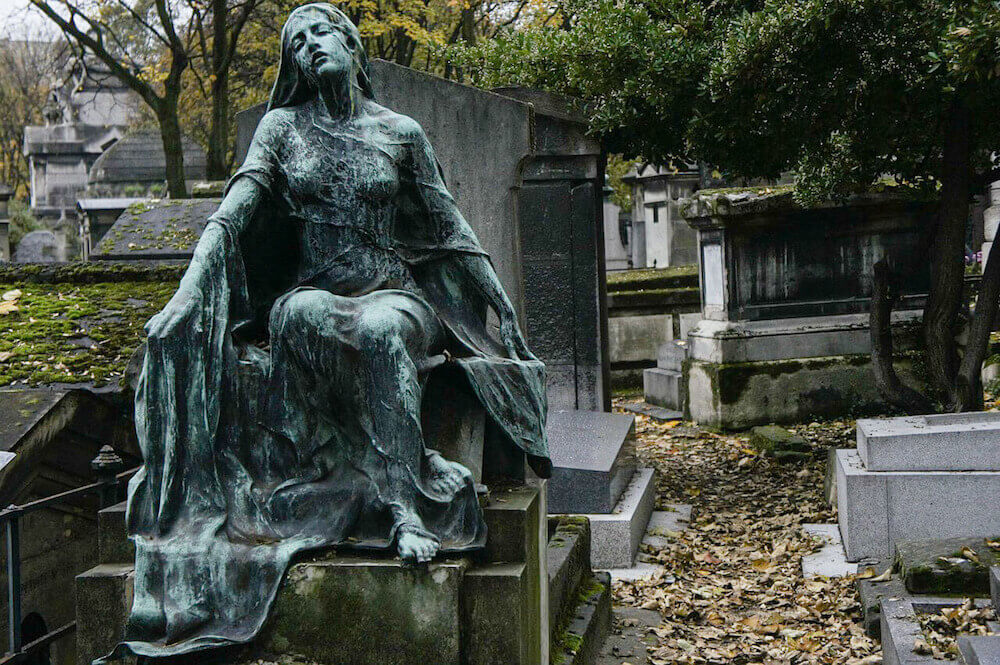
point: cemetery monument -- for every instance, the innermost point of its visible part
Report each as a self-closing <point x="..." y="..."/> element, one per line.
<point x="338" y="244"/>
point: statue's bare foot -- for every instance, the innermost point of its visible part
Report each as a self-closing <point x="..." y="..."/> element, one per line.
<point x="447" y="478"/>
<point x="414" y="548"/>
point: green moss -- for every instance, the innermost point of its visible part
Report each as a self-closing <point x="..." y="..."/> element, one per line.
<point x="638" y="277"/>
<point x="75" y="333"/>
<point x="736" y="376"/>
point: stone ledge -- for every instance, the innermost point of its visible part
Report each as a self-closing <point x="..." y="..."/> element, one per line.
<point x="937" y="442"/>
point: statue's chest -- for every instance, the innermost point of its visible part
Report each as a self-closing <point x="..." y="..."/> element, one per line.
<point x="347" y="174"/>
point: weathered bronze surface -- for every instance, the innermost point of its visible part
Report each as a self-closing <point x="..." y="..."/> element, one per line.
<point x="280" y="403"/>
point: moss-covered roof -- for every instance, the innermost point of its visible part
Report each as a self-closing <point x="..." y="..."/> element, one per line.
<point x="76" y="332"/>
<point x="167" y="229"/>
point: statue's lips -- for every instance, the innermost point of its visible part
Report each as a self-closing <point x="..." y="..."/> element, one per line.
<point x="316" y="59"/>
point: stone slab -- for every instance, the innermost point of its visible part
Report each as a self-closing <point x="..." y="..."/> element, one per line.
<point x="980" y="649"/>
<point x="877" y="508"/>
<point x="663" y="526"/>
<point x="736" y="396"/>
<point x="512" y="516"/>
<point x="939" y="566"/>
<point x="615" y="536"/>
<point x="593" y="456"/>
<point x="782" y="339"/>
<point x="900" y="627"/>
<point x="501" y="616"/>
<point x="938" y="442"/>
<point x="657" y="412"/>
<point x="635" y="338"/>
<point x="103" y="602"/>
<point x="831" y="560"/>
<point x="663" y="387"/>
<point x="871" y="594"/>
<point x="329" y="610"/>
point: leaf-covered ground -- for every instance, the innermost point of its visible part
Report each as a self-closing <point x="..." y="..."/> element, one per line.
<point x="733" y="591"/>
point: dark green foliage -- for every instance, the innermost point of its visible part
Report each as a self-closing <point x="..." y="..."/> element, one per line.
<point x="841" y="91"/>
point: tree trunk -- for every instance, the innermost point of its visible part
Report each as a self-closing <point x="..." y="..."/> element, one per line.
<point x="970" y="391"/>
<point x="217" y="164"/>
<point x="880" y="323"/>
<point x="173" y="151"/>
<point x="948" y="254"/>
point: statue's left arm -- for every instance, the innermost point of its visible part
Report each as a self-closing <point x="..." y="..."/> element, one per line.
<point x="450" y="230"/>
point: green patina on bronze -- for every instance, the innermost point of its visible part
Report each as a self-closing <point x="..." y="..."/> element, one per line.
<point x="281" y="400"/>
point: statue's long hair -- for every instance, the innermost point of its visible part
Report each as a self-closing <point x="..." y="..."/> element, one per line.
<point x="292" y="87"/>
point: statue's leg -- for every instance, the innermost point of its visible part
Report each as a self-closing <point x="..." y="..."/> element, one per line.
<point x="368" y="351"/>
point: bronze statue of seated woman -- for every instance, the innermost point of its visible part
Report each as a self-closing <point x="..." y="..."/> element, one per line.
<point x="281" y="398"/>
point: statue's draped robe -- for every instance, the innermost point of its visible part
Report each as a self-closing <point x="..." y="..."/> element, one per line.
<point x="240" y="471"/>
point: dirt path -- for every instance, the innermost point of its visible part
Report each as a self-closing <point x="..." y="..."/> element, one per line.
<point x="734" y="591"/>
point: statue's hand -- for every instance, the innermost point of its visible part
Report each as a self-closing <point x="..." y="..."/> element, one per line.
<point x="182" y="311"/>
<point x="510" y="335"/>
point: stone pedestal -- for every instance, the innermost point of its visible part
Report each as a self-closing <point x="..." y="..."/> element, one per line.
<point x="664" y="384"/>
<point x="490" y="608"/>
<point x="918" y="478"/>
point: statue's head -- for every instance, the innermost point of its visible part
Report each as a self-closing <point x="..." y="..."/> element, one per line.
<point x="318" y="39"/>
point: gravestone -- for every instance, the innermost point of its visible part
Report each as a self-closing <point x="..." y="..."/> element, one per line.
<point x="785" y="293"/>
<point x="40" y="247"/>
<point x="918" y="478"/>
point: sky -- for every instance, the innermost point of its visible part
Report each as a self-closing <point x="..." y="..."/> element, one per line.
<point x="17" y="20"/>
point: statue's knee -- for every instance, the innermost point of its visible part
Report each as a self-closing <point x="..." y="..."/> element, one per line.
<point x="380" y="328"/>
<point x="298" y="310"/>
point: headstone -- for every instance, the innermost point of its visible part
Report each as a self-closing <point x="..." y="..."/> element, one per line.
<point x="785" y="293"/>
<point x="40" y="247"/>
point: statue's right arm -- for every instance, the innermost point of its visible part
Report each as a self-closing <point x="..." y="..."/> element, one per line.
<point x="235" y="211"/>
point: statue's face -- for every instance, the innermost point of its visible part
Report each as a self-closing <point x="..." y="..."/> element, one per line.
<point x="322" y="47"/>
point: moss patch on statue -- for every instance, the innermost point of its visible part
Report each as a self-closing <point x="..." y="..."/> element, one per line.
<point x="73" y="333"/>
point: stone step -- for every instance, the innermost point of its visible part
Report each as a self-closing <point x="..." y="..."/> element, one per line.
<point x="568" y="563"/>
<point x="900" y="626"/>
<point x="580" y="642"/>
<point x="938" y="442"/>
<point x="615" y="536"/>
<point x="664" y="526"/>
<point x="663" y="387"/>
<point x="593" y="458"/>
<point x="877" y="508"/>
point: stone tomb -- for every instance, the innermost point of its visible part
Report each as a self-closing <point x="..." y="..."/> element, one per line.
<point x="785" y="293"/>
<point x="918" y="478"/>
<point x="487" y="609"/>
